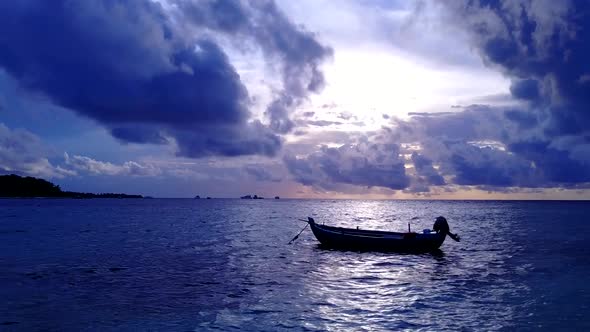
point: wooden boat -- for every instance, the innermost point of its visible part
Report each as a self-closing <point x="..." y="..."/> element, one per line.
<point x="358" y="239"/>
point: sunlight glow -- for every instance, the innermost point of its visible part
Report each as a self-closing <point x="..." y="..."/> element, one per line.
<point x="377" y="81"/>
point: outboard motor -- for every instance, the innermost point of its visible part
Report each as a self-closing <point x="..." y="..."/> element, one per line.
<point x="441" y="226"/>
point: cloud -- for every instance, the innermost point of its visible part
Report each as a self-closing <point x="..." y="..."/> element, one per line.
<point x="473" y="147"/>
<point x="485" y="166"/>
<point x="424" y="177"/>
<point x="425" y="170"/>
<point x="322" y="123"/>
<point x="424" y="33"/>
<point x="263" y="173"/>
<point x="23" y="153"/>
<point x="91" y="166"/>
<point x="528" y="89"/>
<point x="296" y="52"/>
<point x="560" y="165"/>
<point x="361" y="164"/>
<point x="542" y="46"/>
<point x="131" y="66"/>
<point x="490" y="148"/>
<point x="253" y="138"/>
<point x="346" y="116"/>
<point x="139" y="134"/>
<point x="498" y="147"/>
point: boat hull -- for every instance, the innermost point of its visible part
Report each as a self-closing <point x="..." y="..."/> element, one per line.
<point x="365" y="240"/>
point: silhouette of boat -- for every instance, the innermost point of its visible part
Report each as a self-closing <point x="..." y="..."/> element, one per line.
<point x="359" y="239"/>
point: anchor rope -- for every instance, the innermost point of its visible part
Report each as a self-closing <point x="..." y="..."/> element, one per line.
<point x="297" y="236"/>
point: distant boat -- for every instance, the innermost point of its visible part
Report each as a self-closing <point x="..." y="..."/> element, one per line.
<point x="357" y="239"/>
<point x="197" y="197"/>
<point x="277" y="197"/>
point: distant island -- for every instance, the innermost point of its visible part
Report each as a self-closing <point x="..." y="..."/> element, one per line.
<point x="18" y="186"/>
<point x="252" y="197"/>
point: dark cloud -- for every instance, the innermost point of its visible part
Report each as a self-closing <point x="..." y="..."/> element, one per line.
<point x="476" y="122"/>
<point x="528" y="89"/>
<point x="426" y="171"/>
<point x="297" y="51"/>
<point x="543" y="47"/>
<point x="496" y="148"/>
<point x="470" y="148"/>
<point x="423" y="176"/>
<point x="129" y="66"/>
<point x="484" y="166"/>
<point x="252" y="138"/>
<point x="138" y="134"/>
<point x="524" y="119"/>
<point x="302" y="171"/>
<point x="559" y="165"/>
<point x="261" y="173"/>
<point x="362" y="164"/>
<point x="229" y="16"/>
<point x="489" y="148"/>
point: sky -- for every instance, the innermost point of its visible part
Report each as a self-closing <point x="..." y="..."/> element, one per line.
<point x="375" y="99"/>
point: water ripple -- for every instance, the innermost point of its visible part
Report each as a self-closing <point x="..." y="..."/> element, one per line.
<point x="223" y="265"/>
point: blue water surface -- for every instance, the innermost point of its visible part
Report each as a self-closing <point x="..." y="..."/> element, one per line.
<point x="225" y="265"/>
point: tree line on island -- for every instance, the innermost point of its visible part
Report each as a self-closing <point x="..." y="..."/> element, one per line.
<point x="243" y="197"/>
<point x="17" y="186"/>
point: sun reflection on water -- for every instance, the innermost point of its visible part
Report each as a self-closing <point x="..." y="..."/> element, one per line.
<point x="379" y="291"/>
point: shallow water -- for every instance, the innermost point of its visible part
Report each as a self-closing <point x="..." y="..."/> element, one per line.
<point x="200" y="265"/>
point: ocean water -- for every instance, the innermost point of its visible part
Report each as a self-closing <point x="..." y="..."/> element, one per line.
<point x="225" y="265"/>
